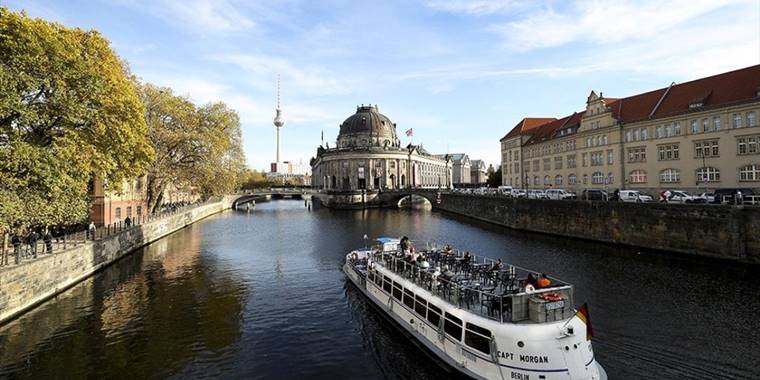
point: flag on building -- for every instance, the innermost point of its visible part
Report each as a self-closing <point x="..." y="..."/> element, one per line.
<point x="583" y="315"/>
<point x="409" y="132"/>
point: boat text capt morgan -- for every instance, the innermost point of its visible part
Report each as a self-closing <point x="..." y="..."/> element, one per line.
<point x="481" y="317"/>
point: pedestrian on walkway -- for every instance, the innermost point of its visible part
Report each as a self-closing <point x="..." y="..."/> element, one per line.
<point x="91" y="230"/>
<point x="128" y="222"/>
<point x="48" y="239"/>
<point x="31" y="239"/>
<point x="16" y="242"/>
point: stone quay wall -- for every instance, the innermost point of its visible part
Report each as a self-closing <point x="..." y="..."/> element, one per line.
<point x="722" y="231"/>
<point x="30" y="283"/>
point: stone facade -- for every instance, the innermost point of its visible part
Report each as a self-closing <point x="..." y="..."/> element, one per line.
<point x="369" y="156"/>
<point x="31" y="282"/>
<point x="460" y="168"/>
<point x="478" y="172"/>
<point x="692" y="136"/>
<point x="718" y="231"/>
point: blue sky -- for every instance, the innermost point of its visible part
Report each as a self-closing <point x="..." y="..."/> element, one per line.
<point x="460" y="73"/>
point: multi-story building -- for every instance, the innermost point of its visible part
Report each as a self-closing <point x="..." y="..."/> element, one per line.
<point x="116" y="204"/>
<point x="460" y="168"/>
<point x="695" y="135"/>
<point x="477" y="172"/>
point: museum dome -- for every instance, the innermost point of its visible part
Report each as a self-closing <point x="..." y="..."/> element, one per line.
<point x="367" y="127"/>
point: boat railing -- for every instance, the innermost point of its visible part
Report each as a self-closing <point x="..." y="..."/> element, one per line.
<point x="496" y="295"/>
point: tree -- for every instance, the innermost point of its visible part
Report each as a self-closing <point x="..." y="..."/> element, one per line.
<point x="196" y="147"/>
<point x="253" y="179"/>
<point x="494" y="176"/>
<point x="68" y="112"/>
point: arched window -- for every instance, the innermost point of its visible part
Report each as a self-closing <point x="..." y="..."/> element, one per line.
<point x="558" y="180"/>
<point x="572" y="179"/>
<point x="547" y="180"/>
<point x="597" y="178"/>
<point x="670" y="176"/>
<point x="708" y="174"/>
<point x="637" y="176"/>
<point x="749" y="173"/>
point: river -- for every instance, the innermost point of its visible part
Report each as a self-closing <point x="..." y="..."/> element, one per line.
<point x="261" y="295"/>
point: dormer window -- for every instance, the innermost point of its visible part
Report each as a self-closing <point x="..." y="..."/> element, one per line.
<point x="696" y="104"/>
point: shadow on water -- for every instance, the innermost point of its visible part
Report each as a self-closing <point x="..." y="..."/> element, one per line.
<point x="261" y="295"/>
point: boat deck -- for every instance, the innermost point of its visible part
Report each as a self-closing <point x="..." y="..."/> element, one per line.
<point x="478" y="285"/>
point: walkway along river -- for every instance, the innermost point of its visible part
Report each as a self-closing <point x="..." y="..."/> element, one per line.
<point x="261" y="295"/>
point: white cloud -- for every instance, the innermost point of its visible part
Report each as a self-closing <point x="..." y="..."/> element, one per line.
<point x="197" y="16"/>
<point x="474" y="7"/>
<point x="602" y="22"/>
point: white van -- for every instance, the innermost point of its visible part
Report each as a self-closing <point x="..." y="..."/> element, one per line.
<point x="634" y="196"/>
<point x="559" y="194"/>
<point x="505" y="190"/>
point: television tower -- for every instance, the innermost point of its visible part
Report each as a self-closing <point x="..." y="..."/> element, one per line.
<point x="279" y="122"/>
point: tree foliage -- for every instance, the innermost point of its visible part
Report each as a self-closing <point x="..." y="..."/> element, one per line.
<point x="198" y="147"/>
<point x="494" y="176"/>
<point x="254" y="179"/>
<point x="68" y="111"/>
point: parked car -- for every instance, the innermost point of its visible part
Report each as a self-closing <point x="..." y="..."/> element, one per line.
<point x="505" y="190"/>
<point x="708" y="197"/>
<point x="731" y="196"/>
<point x="594" y="195"/>
<point x="678" y="196"/>
<point x="559" y="194"/>
<point x="634" y="196"/>
<point x="537" y="194"/>
<point x="519" y="193"/>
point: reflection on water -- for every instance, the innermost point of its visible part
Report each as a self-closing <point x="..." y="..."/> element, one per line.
<point x="261" y="295"/>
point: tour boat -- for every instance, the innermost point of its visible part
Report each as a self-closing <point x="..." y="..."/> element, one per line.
<point x="476" y="315"/>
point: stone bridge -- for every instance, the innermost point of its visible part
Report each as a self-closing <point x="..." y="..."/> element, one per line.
<point x="263" y="195"/>
<point x="375" y="198"/>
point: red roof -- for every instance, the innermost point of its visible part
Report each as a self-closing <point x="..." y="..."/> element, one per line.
<point x="526" y="124"/>
<point x="733" y="87"/>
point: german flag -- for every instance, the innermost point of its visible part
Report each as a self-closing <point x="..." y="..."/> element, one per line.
<point x="583" y="315"/>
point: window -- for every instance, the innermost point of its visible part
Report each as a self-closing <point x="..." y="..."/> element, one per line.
<point x="637" y="154"/>
<point x="610" y="178"/>
<point x="139" y="210"/>
<point x="604" y="140"/>
<point x="737" y="120"/>
<point x="659" y="132"/>
<point x="705" y="125"/>
<point x="706" y="148"/>
<point x="118" y="213"/>
<point x="628" y="136"/>
<point x="434" y="315"/>
<point x="751" y="119"/>
<point x="708" y="175"/>
<point x="585" y="179"/>
<point x="408" y="298"/>
<point x="558" y="180"/>
<point x="387" y="285"/>
<point x="716" y="123"/>
<point x="397" y="291"/>
<point x="638" y="176"/>
<point x="644" y="133"/>
<point x="597" y="158"/>
<point x="610" y="157"/>
<point x="536" y="181"/>
<point x="667" y="152"/>
<point x="676" y="130"/>
<point x="453" y="326"/>
<point x="670" y="176"/>
<point x="129" y="211"/>
<point x="420" y="307"/>
<point x="571" y="161"/>
<point x="636" y="135"/>
<point x="694" y="127"/>
<point x="547" y="181"/>
<point x="585" y="159"/>
<point x="478" y="338"/>
<point x="588" y="141"/>
<point x="547" y="164"/>
<point x="749" y="173"/>
<point x="597" y="178"/>
<point x="379" y="279"/>
<point x="535" y="165"/>
<point x="557" y="162"/>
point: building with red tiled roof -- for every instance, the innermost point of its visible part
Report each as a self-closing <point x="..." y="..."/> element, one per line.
<point x="695" y="135"/>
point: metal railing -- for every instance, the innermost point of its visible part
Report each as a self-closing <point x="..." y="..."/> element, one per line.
<point x="494" y="294"/>
<point x="47" y="244"/>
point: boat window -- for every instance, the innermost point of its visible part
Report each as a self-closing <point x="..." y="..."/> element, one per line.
<point x="387" y="285"/>
<point x="453" y="326"/>
<point x="371" y="276"/>
<point x="379" y="279"/>
<point x="478" y="338"/>
<point x="421" y="306"/>
<point x="397" y="291"/>
<point x="408" y="298"/>
<point x="434" y="314"/>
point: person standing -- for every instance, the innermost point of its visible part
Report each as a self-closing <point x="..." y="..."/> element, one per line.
<point x="128" y="222"/>
<point x="48" y="240"/>
<point x="91" y="230"/>
<point x="16" y="242"/>
<point x="31" y="239"/>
